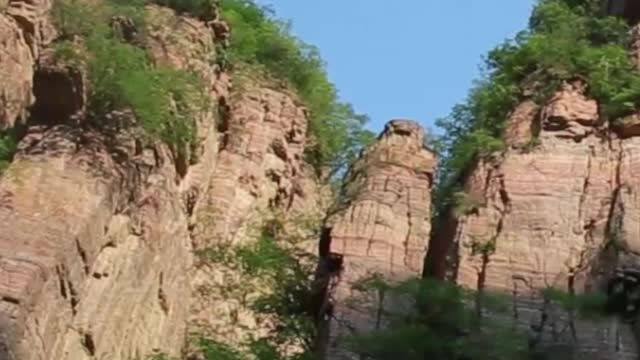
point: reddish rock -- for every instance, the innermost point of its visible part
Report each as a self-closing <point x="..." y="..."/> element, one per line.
<point x="628" y="126"/>
<point x="24" y="29"/>
<point x="548" y="214"/>
<point x="569" y="113"/>
<point x="382" y="228"/>
<point x="95" y="252"/>
<point x="261" y="156"/>
<point x="84" y="258"/>
<point x="521" y="124"/>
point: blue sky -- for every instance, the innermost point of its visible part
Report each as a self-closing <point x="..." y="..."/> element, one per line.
<point x="403" y="58"/>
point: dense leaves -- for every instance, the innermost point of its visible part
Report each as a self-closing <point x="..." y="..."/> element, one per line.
<point x="165" y="101"/>
<point x="196" y="8"/>
<point x="287" y="272"/>
<point x="437" y="323"/>
<point x="566" y="39"/>
<point x="8" y="145"/>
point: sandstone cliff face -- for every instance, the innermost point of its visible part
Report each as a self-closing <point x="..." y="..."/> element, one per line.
<point x="96" y="251"/>
<point x="381" y="229"/>
<point x="24" y="30"/>
<point x="545" y="216"/>
<point x="95" y="242"/>
<point x="260" y="176"/>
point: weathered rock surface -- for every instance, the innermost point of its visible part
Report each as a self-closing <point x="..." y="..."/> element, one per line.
<point x="95" y="251"/>
<point x="260" y="174"/>
<point x="24" y="29"/>
<point x="260" y="160"/>
<point x="522" y="124"/>
<point x="382" y="228"/>
<point x="546" y="218"/>
<point x="86" y="272"/>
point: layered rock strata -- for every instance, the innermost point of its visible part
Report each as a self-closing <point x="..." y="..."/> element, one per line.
<point x="95" y="248"/>
<point x="381" y="229"/>
<point x="551" y="215"/>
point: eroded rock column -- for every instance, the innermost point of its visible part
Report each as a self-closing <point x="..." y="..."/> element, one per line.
<point x="382" y="229"/>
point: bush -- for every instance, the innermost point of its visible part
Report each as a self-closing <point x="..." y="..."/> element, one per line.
<point x="196" y="8"/>
<point x="8" y="146"/>
<point x="592" y="305"/>
<point x="566" y="39"/>
<point x="287" y="273"/>
<point x="164" y="101"/>
<point x="260" y="40"/>
<point x="441" y="325"/>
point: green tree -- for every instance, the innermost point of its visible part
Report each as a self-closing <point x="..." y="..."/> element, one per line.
<point x="440" y="325"/>
<point x="566" y="39"/>
<point x="165" y="101"/>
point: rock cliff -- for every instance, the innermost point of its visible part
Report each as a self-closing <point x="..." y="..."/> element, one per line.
<point x="99" y="228"/>
<point x="381" y="229"/>
<point x="115" y="244"/>
<point x="556" y="214"/>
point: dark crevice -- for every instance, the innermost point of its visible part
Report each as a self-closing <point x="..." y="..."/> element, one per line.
<point x="61" y="281"/>
<point x="10" y="299"/>
<point x="83" y="256"/>
<point x="59" y="94"/>
<point x="224" y="118"/>
<point x="89" y="344"/>
<point x="571" y="312"/>
<point x="162" y="297"/>
<point x="73" y="298"/>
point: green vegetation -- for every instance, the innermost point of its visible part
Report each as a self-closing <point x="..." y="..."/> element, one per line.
<point x="591" y="305"/>
<point x="566" y="39"/>
<point x="439" y="325"/>
<point x="266" y="44"/>
<point x="465" y="204"/>
<point x="164" y="101"/>
<point x="277" y="264"/>
<point x="196" y="8"/>
<point x="8" y="145"/>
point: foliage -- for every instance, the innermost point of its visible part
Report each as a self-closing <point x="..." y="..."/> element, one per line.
<point x="8" y="147"/>
<point x="566" y="39"/>
<point x="258" y="39"/>
<point x="466" y="203"/>
<point x="164" y="101"/>
<point x="586" y="305"/>
<point x="440" y="325"/>
<point x="196" y="8"/>
<point x="287" y="272"/>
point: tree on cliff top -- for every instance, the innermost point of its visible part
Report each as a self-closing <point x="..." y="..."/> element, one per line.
<point x="266" y="43"/>
<point x="566" y="39"/>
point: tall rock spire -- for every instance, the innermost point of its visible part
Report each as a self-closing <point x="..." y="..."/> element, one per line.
<point x="382" y="228"/>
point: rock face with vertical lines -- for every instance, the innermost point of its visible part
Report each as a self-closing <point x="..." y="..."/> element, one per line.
<point x="261" y="157"/>
<point x="382" y="229"/>
<point x="24" y="30"/>
<point x="546" y="218"/>
<point x="95" y="247"/>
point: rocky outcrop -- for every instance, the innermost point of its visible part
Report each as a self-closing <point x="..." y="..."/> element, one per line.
<point x="86" y="270"/>
<point x="381" y="229"/>
<point x="24" y="29"/>
<point x="545" y="219"/>
<point x="260" y="176"/>
<point x="259" y="163"/>
<point x="95" y="252"/>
